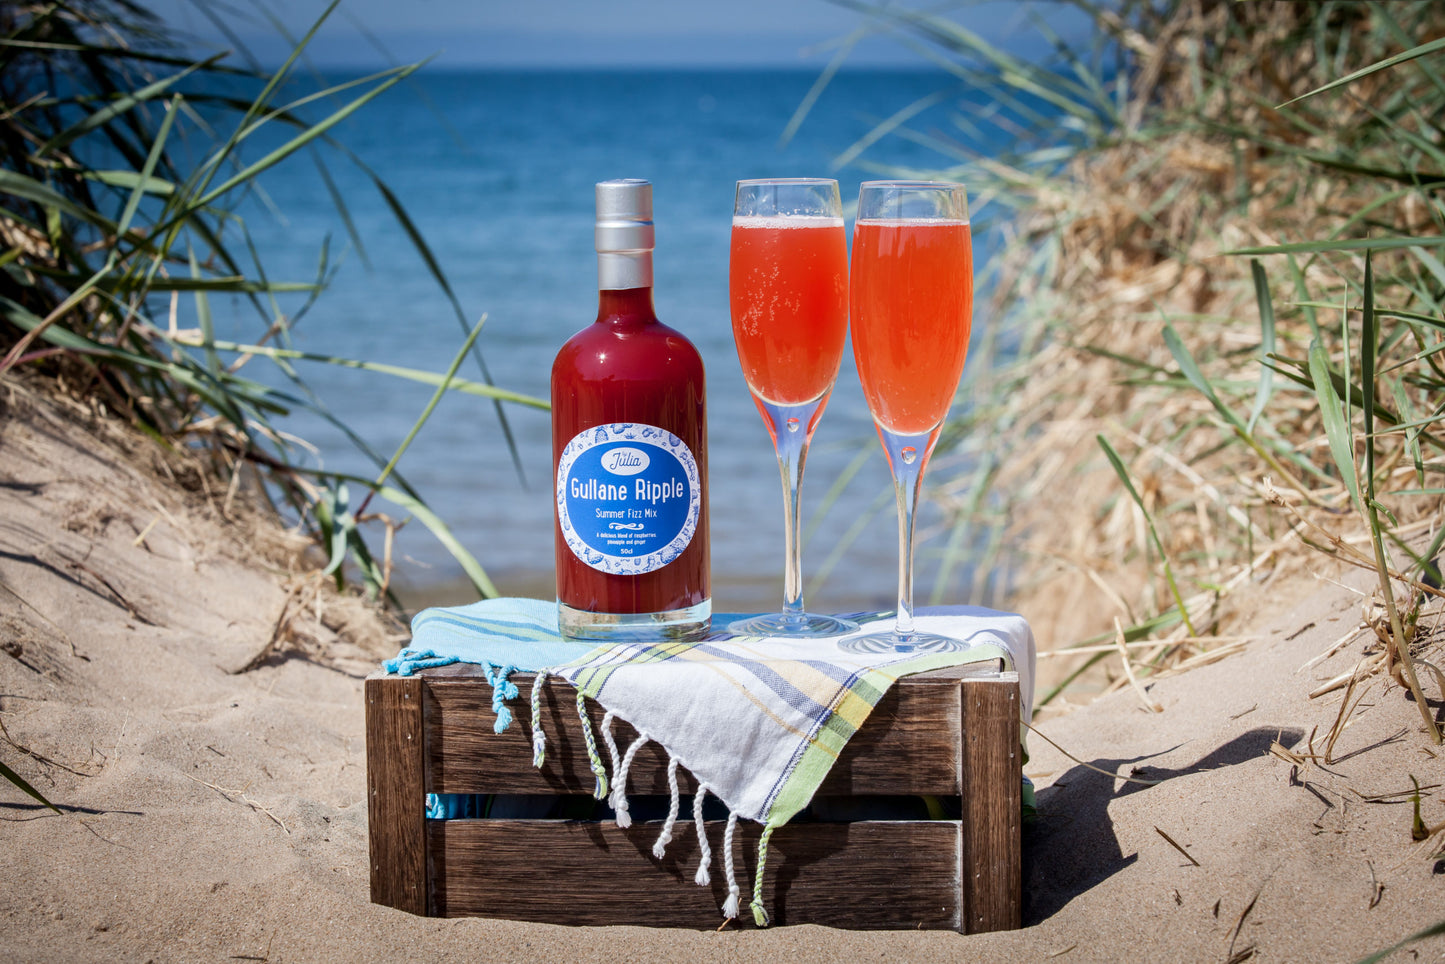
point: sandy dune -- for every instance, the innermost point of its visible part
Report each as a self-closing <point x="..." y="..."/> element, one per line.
<point x="218" y="814"/>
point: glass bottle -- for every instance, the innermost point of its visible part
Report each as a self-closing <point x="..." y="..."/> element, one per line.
<point x="629" y="451"/>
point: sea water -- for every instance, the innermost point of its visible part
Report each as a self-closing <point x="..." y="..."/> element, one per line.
<point x="496" y="170"/>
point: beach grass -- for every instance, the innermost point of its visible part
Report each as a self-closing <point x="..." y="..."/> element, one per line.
<point x="123" y="205"/>
<point x="1214" y="341"/>
<point x="123" y="202"/>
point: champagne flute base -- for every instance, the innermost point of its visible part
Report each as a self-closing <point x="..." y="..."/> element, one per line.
<point x="892" y="642"/>
<point x="793" y="625"/>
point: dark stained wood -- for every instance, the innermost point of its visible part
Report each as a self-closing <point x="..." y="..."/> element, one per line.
<point x="866" y="875"/>
<point x="951" y="733"/>
<point x="396" y="815"/>
<point x="906" y="746"/>
<point x="992" y="770"/>
<point x="909" y="744"/>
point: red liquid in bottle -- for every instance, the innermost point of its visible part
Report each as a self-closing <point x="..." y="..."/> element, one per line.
<point x="627" y="368"/>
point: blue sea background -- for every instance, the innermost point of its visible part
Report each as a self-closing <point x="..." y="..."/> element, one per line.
<point x="496" y="169"/>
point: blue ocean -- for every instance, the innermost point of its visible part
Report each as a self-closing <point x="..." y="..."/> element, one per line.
<point x="496" y="171"/>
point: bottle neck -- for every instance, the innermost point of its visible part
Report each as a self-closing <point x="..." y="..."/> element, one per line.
<point x="625" y="304"/>
<point x="625" y="269"/>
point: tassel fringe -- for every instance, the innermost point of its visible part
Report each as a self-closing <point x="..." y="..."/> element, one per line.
<point x="730" y="906"/>
<point x="503" y="689"/>
<point x="593" y="760"/>
<point x="760" y="913"/>
<point x="619" y="782"/>
<point x="674" y="802"/>
<point x="702" y="878"/>
<point x="539" y="739"/>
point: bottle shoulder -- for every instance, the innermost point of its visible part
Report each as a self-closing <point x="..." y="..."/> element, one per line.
<point x="622" y="348"/>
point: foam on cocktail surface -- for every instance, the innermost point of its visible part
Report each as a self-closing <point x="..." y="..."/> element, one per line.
<point x="911" y="222"/>
<point x="774" y="222"/>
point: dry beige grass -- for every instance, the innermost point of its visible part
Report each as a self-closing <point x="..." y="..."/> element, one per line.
<point x="1138" y="230"/>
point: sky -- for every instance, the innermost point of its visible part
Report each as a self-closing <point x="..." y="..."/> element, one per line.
<point x="588" y="33"/>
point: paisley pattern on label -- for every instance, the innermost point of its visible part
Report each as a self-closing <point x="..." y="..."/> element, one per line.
<point x="628" y="497"/>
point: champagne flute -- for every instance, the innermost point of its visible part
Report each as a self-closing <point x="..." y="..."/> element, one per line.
<point x="912" y="307"/>
<point x="788" y="282"/>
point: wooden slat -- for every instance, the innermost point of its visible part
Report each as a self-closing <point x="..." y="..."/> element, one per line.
<point x="910" y="744"/>
<point x="992" y="771"/>
<point x="867" y="875"/>
<point x="396" y="817"/>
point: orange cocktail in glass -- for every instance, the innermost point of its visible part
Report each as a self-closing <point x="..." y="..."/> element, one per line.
<point x="788" y="284"/>
<point x="788" y="281"/>
<point x="912" y="309"/>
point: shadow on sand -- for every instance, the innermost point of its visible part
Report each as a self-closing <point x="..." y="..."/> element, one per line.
<point x="1072" y="847"/>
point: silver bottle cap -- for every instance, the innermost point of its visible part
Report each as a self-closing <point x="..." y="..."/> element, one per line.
<point x="624" y="233"/>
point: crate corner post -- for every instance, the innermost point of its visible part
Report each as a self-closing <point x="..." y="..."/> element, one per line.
<point x="395" y="789"/>
<point x="991" y="773"/>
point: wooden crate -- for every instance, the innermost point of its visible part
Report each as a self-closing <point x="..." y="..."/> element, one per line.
<point x="950" y="734"/>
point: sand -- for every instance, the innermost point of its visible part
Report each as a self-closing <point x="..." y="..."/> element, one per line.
<point x="191" y="696"/>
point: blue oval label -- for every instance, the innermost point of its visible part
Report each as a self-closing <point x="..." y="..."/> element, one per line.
<point x="628" y="497"/>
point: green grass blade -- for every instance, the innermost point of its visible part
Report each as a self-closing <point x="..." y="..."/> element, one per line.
<point x="1388" y="62"/>
<point x="1123" y="474"/>
<point x="1412" y="432"/>
<point x="418" y="242"/>
<point x="428" y="518"/>
<point x="1369" y="345"/>
<point x="1147" y="367"/>
<point x="1266" y="343"/>
<point x="885" y="127"/>
<point x="335" y="519"/>
<point x="263" y="98"/>
<point x="1401" y="313"/>
<point x="1302" y="295"/>
<point x="234" y="284"/>
<point x="127" y="53"/>
<point x="120" y="105"/>
<point x="1350" y="244"/>
<point x="1131" y="634"/>
<point x="1191" y="371"/>
<point x="432" y="403"/>
<point x="1337" y="431"/>
<point x="819" y="85"/>
<point x="1419" y="935"/>
<point x="410" y="374"/>
<point x="1403" y="38"/>
<point x="1013" y="71"/>
<point x="25" y="787"/>
<point x="1348" y="395"/>
<point x="129" y="180"/>
<point x="18" y="185"/>
<point x="342" y="208"/>
<point x="203" y="318"/>
<point x="250" y="171"/>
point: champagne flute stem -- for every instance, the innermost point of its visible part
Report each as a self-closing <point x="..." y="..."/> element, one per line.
<point x="790" y="463"/>
<point x="907" y="457"/>
<point x="792" y="429"/>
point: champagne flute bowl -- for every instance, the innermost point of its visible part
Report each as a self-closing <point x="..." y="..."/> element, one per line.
<point x="911" y="309"/>
<point x="788" y="288"/>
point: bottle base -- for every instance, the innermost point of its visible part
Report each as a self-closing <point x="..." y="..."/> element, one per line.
<point x="673" y="625"/>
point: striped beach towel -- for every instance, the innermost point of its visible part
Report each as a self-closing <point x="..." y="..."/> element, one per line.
<point x="757" y="721"/>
